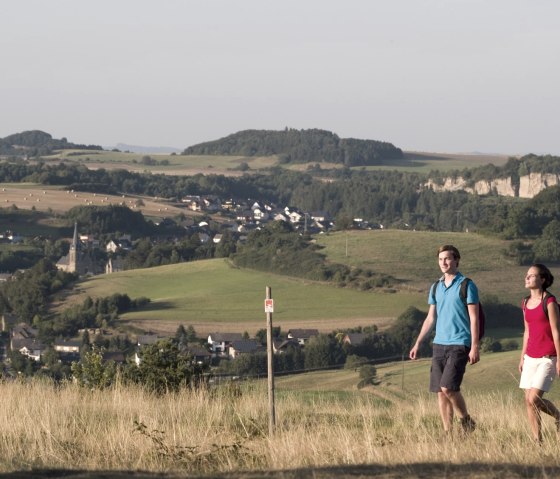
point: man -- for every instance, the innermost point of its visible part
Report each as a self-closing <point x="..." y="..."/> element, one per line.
<point x="456" y="339"/>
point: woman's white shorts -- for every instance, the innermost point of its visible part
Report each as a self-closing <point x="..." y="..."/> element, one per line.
<point x="538" y="373"/>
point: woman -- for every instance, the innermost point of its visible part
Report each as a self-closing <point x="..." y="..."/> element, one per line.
<point x="541" y="346"/>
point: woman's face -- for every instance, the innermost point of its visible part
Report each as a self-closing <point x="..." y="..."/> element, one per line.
<point x="533" y="279"/>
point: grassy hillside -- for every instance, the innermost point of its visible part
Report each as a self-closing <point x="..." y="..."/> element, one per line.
<point x="55" y="199"/>
<point x="325" y="427"/>
<point x="496" y="372"/>
<point x="411" y="256"/>
<point x="214" y="295"/>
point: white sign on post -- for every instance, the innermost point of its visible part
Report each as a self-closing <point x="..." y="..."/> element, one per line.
<point x="268" y="306"/>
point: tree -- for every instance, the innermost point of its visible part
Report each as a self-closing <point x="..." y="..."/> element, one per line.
<point x="91" y="371"/>
<point x="547" y="247"/>
<point x="368" y="375"/>
<point x="323" y="351"/>
<point x="406" y="328"/>
<point x="164" y="368"/>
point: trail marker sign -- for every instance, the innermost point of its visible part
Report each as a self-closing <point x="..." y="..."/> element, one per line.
<point x="269" y="306"/>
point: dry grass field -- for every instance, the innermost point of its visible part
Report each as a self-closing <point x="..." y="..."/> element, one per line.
<point x="324" y="428"/>
<point x="48" y="198"/>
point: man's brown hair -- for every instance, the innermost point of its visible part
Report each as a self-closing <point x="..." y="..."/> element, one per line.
<point x="448" y="247"/>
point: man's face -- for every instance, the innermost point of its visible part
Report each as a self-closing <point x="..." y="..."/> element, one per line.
<point x="447" y="262"/>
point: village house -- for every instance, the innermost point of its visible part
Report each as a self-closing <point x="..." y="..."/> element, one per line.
<point x="114" y="265"/>
<point x="67" y="346"/>
<point x="193" y="203"/>
<point x="354" y="339"/>
<point x="32" y="347"/>
<point x="302" y="336"/>
<point x="145" y="340"/>
<point x="220" y="342"/>
<point x="68" y="349"/>
<point x="115" y="356"/>
<point x="200" y="355"/>
<point x="280" y="346"/>
<point x="123" y="243"/>
<point x="243" y="346"/>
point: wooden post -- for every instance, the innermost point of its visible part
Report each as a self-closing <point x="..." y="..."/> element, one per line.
<point x="268" y="309"/>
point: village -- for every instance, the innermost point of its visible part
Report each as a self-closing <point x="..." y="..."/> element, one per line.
<point x="234" y="218"/>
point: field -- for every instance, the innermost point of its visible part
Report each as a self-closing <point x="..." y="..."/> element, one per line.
<point x="325" y="427"/>
<point x="57" y="200"/>
<point x="420" y="162"/>
<point x="213" y="295"/>
<point x="411" y="256"/>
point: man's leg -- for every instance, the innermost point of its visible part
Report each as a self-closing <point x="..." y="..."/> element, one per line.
<point x="457" y="401"/>
<point x="445" y="411"/>
<point x="455" y="398"/>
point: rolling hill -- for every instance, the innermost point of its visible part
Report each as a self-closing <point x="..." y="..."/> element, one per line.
<point x="214" y="295"/>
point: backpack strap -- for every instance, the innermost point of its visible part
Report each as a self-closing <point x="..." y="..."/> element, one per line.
<point x="524" y="303"/>
<point x="544" y="301"/>
<point x="463" y="290"/>
<point x="433" y="290"/>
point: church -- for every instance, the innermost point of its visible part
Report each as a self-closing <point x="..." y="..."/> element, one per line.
<point x="78" y="260"/>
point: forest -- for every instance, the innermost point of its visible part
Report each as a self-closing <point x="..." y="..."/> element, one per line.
<point x="37" y="143"/>
<point x="390" y="198"/>
<point x="300" y="146"/>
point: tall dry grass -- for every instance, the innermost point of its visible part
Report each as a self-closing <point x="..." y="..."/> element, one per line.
<point x="48" y="426"/>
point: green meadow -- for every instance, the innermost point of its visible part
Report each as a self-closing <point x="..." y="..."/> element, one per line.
<point x="411" y="257"/>
<point x="214" y="294"/>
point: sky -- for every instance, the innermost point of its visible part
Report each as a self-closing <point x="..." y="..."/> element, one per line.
<point x="451" y="76"/>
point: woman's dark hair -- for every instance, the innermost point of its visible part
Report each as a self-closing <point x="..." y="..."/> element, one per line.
<point x="545" y="274"/>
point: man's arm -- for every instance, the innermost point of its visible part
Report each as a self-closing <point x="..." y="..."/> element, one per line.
<point x="474" y="355"/>
<point x="426" y="327"/>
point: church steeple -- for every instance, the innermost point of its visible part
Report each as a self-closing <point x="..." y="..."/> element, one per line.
<point x="74" y="251"/>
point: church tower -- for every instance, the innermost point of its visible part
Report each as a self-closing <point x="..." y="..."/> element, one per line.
<point x="74" y="252"/>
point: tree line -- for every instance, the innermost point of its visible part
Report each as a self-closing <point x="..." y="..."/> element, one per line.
<point x="390" y="198"/>
<point x="301" y="146"/>
<point x="37" y="143"/>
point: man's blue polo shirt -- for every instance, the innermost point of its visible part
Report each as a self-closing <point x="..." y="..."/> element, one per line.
<point x="453" y="325"/>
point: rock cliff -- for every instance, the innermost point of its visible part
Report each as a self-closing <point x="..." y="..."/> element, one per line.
<point x="529" y="185"/>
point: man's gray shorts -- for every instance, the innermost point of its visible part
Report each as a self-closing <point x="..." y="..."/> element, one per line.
<point x="448" y="367"/>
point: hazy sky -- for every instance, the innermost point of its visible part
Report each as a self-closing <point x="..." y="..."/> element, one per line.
<point x="425" y="75"/>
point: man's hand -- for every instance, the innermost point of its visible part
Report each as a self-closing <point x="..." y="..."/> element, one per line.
<point x="474" y="355"/>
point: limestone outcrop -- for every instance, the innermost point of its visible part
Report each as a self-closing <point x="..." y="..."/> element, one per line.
<point x="529" y="185"/>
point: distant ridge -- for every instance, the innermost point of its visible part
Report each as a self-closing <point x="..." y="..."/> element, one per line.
<point x="146" y="149"/>
<point x="301" y="146"/>
<point x="37" y="142"/>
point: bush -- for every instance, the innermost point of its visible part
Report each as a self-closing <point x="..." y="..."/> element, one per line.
<point x="490" y="345"/>
<point x="353" y="361"/>
<point x="510" y="345"/>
